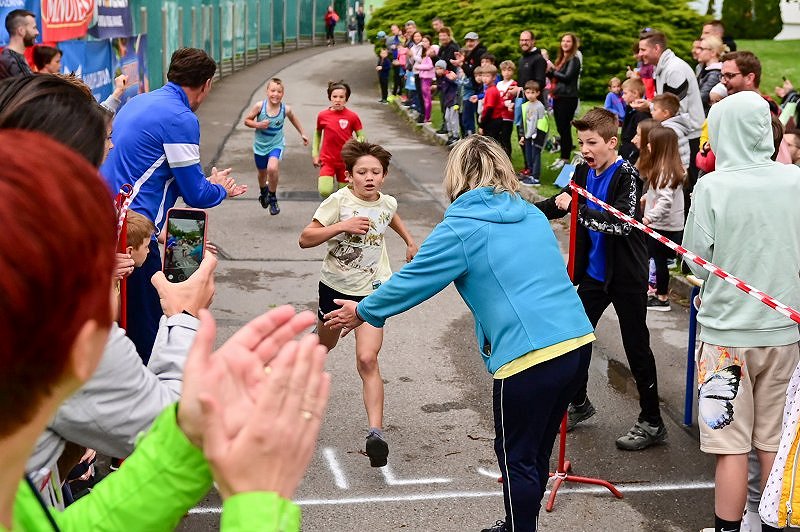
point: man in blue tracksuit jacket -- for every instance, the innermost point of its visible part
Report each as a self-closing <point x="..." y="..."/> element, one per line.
<point x="157" y="151"/>
<point x="504" y="260"/>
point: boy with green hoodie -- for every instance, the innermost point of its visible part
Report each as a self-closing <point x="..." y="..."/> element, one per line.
<point x="744" y="218"/>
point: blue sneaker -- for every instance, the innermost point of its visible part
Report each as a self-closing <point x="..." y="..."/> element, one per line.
<point x="273" y="204"/>
<point x="530" y="182"/>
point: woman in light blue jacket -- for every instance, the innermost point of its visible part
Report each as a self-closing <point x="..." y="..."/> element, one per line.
<point x="504" y="260"/>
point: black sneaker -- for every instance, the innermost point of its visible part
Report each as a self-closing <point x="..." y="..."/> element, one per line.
<point x="653" y="303"/>
<point x="577" y="414"/>
<point x="262" y="199"/>
<point x="273" y="204"/>
<point x="377" y="450"/>
<point x="499" y="526"/>
<point x="442" y="131"/>
<point x="641" y="436"/>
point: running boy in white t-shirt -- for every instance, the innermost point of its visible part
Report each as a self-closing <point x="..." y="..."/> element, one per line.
<point x="353" y="221"/>
<point x="267" y="117"/>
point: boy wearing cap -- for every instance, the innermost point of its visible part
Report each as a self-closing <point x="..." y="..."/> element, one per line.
<point x="384" y="67"/>
<point x="448" y="96"/>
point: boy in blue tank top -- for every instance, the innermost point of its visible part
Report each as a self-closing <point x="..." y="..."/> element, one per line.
<point x="267" y="117"/>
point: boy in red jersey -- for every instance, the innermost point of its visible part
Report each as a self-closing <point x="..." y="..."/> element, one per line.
<point x="335" y="126"/>
<point x="492" y="116"/>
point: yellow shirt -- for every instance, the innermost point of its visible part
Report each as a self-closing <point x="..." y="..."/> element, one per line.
<point x="537" y="356"/>
<point x="355" y="262"/>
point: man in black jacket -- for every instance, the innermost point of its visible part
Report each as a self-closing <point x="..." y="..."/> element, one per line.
<point x="531" y="66"/>
<point x="469" y="61"/>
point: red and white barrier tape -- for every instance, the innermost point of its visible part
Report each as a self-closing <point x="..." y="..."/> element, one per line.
<point x="122" y="206"/>
<point x="769" y="301"/>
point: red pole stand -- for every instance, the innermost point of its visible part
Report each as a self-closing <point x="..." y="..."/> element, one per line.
<point x="561" y="474"/>
<point x="122" y="243"/>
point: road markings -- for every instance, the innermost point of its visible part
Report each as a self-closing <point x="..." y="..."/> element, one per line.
<point x="336" y="469"/>
<point x="392" y="481"/>
<point x="640" y="487"/>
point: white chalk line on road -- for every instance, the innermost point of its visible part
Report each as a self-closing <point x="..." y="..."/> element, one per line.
<point x="394" y="481"/>
<point x="591" y="490"/>
<point x="336" y="469"/>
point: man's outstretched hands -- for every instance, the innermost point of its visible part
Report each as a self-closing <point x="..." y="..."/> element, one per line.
<point x="222" y="177"/>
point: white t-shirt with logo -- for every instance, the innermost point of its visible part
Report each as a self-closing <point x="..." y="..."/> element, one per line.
<point x="355" y="262"/>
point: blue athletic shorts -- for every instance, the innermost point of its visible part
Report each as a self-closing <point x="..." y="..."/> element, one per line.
<point x="262" y="160"/>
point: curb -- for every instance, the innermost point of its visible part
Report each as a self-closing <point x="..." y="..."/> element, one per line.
<point x="427" y="131"/>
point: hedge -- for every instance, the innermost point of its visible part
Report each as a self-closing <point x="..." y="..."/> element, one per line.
<point x="607" y="30"/>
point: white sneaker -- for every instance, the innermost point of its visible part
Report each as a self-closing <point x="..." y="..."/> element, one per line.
<point x="558" y="165"/>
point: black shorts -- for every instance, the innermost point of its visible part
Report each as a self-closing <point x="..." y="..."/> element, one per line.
<point x="326" y="297"/>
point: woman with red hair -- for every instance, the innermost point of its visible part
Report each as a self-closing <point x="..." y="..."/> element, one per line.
<point x="249" y="414"/>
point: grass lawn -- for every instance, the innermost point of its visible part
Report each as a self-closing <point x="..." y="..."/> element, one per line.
<point x="778" y="58"/>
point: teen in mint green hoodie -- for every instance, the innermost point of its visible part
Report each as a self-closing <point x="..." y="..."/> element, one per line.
<point x="744" y="219"/>
<point x="500" y="253"/>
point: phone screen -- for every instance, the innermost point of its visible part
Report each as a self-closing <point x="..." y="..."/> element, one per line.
<point x="184" y="244"/>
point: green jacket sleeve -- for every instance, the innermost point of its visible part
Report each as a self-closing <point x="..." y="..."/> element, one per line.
<point x="258" y="510"/>
<point x="164" y="477"/>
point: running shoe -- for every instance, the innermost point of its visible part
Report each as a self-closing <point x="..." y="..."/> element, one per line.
<point x="641" y="436"/>
<point x="558" y="164"/>
<point x="273" y="204"/>
<point x="499" y="526"/>
<point x="530" y="182"/>
<point x="653" y="303"/>
<point x="377" y="449"/>
<point x="579" y="413"/>
<point x="262" y="199"/>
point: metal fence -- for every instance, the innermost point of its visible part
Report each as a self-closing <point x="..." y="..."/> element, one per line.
<point x="235" y="33"/>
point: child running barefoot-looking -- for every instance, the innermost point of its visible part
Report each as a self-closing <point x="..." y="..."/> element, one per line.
<point x="335" y="126"/>
<point x="663" y="209"/>
<point x="353" y="221"/>
<point x="267" y="117"/>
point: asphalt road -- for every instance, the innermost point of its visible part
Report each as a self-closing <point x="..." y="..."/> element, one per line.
<point x="442" y="471"/>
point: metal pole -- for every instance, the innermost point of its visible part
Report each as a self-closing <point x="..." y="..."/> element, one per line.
<point x="313" y="22"/>
<point x="194" y="27"/>
<point x="180" y="27"/>
<point x="688" y="402"/>
<point x="142" y="19"/>
<point x="221" y="41"/>
<point x="246" y="42"/>
<point x="271" y="25"/>
<point x="297" y="23"/>
<point x="208" y="16"/>
<point x="283" y="35"/>
<point x="234" y="46"/>
<point x="164" y="60"/>
<point x="258" y="31"/>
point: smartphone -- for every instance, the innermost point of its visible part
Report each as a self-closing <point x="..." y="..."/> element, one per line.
<point x="184" y="243"/>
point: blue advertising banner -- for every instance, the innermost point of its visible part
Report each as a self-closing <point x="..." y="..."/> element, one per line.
<point x="130" y="59"/>
<point x="91" y="61"/>
<point x="113" y="19"/>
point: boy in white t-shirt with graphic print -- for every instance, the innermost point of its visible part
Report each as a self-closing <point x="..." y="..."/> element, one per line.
<point x="353" y="221"/>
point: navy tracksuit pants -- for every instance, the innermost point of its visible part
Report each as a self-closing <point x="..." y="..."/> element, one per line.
<point x="528" y="408"/>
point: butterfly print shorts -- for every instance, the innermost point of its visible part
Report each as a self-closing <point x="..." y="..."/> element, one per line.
<point x="742" y="391"/>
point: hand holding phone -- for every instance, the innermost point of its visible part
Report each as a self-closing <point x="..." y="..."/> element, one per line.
<point x="191" y="295"/>
<point x="185" y="243"/>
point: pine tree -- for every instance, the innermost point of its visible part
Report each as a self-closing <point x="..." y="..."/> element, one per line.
<point x="737" y="15"/>
<point x="767" y="20"/>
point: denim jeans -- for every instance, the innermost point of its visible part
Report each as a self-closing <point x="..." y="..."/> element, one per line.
<point x="533" y="158"/>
